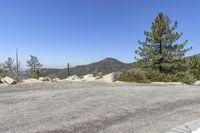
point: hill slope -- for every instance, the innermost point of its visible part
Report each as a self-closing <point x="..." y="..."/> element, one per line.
<point x="106" y="66"/>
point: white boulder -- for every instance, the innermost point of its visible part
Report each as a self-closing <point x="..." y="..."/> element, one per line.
<point x="197" y="83"/>
<point x="112" y="77"/>
<point x="45" y="79"/>
<point x="8" y="80"/>
<point x="89" y="77"/>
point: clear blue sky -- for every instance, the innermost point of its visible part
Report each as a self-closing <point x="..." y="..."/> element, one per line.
<point x="84" y="31"/>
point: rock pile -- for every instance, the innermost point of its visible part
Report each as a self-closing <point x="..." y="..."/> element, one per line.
<point x="89" y="77"/>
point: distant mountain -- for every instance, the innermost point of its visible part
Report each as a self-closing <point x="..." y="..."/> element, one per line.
<point x="106" y="66"/>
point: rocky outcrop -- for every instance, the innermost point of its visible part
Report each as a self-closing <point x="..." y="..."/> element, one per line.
<point x="197" y="83"/>
<point x="112" y="77"/>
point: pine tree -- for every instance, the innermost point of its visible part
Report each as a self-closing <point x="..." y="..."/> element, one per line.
<point x="9" y="66"/>
<point x="160" y="51"/>
<point x="34" y="65"/>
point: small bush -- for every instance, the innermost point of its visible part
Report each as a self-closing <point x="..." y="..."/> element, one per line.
<point x="134" y="75"/>
<point x="3" y="73"/>
<point x="99" y="74"/>
<point x="36" y="74"/>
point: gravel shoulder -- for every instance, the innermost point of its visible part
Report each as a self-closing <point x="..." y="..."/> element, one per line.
<point x="90" y="107"/>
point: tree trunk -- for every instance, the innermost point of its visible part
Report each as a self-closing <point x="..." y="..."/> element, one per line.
<point x="160" y="62"/>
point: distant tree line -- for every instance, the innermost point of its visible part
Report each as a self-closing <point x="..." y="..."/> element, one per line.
<point x="9" y="68"/>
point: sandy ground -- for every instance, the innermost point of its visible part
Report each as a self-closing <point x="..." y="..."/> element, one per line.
<point x="91" y="107"/>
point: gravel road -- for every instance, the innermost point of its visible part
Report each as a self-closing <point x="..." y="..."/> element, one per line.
<point x="92" y="107"/>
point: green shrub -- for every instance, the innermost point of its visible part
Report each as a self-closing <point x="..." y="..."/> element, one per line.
<point x="3" y="73"/>
<point x="188" y="79"/>
<point x="99" y="74"/>
<point x="36" y="74"/>
<point x="134" y="75"/>
<point x="155" y="76"/>
<point x="194" y="67"/>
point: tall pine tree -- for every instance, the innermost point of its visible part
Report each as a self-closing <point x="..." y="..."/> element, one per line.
<point x="160" y="50"/>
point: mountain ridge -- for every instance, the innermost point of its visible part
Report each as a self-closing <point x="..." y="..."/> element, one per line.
<point x="105" y="66"/>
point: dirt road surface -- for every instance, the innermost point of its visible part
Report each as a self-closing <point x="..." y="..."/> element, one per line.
<point x="78" y="107"/>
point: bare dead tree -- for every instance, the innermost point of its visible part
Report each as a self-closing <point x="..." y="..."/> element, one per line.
<point x="68" y="70"/>
<point x="17" y="66"/>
